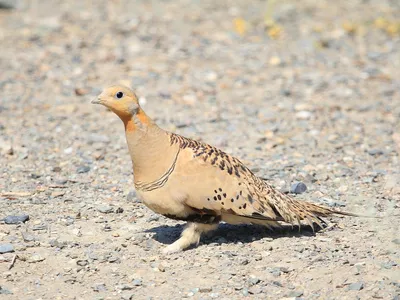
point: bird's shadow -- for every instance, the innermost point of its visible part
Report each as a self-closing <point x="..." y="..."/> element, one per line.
<point x="227" y="233"/>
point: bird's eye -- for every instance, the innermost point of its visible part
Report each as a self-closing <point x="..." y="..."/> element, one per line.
<point x="119" y="95"/>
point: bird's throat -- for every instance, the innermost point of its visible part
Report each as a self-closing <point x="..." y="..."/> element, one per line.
<point x="138" y="121"/>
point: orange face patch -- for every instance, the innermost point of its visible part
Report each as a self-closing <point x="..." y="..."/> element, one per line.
<point x="143" y="118"/>
<point x="129" y="125"/>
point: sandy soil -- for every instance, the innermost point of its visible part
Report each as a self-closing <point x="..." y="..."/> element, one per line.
<point x="301" y="91"/>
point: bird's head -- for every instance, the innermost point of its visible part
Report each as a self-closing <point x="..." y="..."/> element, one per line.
<point x="120" y="99"/>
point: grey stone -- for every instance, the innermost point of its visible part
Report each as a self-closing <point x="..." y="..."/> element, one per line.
<point x="127" y="296"/>
<point x="298" y="188"/>
<point x="5" y="248"/>
<point x="105" y="209"/>
<point x="205" y="290"/>
<point x="9" y="4"/>
<point x="99" y="287"/>
<point x="97" y="138"/>
<point x="357" y="286"/>
<point x="4" y="291"/>
<point x="375" y="152"/>
<point x="132" y="197"/>
<point x="295" y="294"/>
<point x="82" y="262"/>
<point x="83" y="169"/>
<point x="16" y="219"/>
<point x="253" y="280"/>
<point x="396" y="241"/>
<point x="137" y="282"/>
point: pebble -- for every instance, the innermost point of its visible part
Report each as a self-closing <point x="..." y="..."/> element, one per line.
<point x="375" y="152"/>
<point x="295" y="294"/>
<point x="16" y="219"/>
<point x="253" y="280"/>
<point x="132" y="197"/>
<point x="357" y="286"/>
<point x="205" y="290"/>
<point x="82" y="262"/>
<point x="332" y="203"/>
<point x="99" y="287"/>
<point x="4" y="291"/>
<point x="83" y="169"/>
<point x="105" y="209"/>
<point x="5" y="248"/>
<point x="127" y="296"/>
<point x="137" y="282"/>
<point x="98" y="138"/>
<point x="396" y="241"/>
<point x="298" y="188"/>
<point x="35" y="258"/>
<point x="303" y="115"/>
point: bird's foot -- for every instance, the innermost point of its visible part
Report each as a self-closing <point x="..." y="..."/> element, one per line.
<point x="173" y="248"/>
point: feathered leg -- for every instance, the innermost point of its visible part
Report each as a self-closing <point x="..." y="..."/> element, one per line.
<point x="190" y="235"/>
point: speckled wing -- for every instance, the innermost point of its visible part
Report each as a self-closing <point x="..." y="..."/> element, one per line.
<point x="219" y="183"/>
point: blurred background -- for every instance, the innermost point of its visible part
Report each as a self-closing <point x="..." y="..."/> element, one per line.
<point x="301" y="91"/>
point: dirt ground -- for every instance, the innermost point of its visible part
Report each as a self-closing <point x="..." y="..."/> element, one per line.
<point x="301" y="91"/>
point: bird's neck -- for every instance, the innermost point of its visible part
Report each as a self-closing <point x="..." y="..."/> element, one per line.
<point x="149" y="147"/>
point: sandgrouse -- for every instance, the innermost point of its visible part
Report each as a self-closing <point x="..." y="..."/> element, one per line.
<point x="184" y="179"/>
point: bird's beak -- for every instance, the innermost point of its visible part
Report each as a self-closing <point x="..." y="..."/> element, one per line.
<point x="96" y="100"/>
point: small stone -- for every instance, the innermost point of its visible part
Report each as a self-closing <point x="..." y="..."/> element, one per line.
<point x="205" y="290"/>
<point x="4" y="291"/>
<point x="275" y="61"/>
<point x="153" y="218"/>
<point x="35" y="258"/>
<point x="255" y="289"/>
<point x="298" y="188"/>
<point x="211" y="77"/>
<point x="16" y="219"/>
<point x="137" y="282"/>
<point x="131" y="197"/>
<point x="57" y="194"/>
<point x="119" y="210"/>
<point x="161" y="268"/>
<point x="214" y="295"/>
<point x="357" y="286"/>
<point x="396" y="241"/>
<point x="56" y="169"/>
<point x="332" y="203"/>
<point x="124" y="287"/>
<point x="113" y="259"/>
<point x="9" y="4"/>
<point x="127" y="296"/>
<point x="97" y="138"/>
<point x="245" y="292"/>
<point x="99" y="287"/>
<point x="5" y="248"/>
<point x="375" y="152"/>
<point x="303" y="115"/>
<point x="295" y="294"/>
<point x="82" y="262"/>
<point x="388" y="265"/>
<point x="105" y="209"/>
<point x="81" y="91"/>
<point x="28" y="237"/>
<point x="253" y="280"/>
<point x="82" y="169"/>
<point x="68" y="150"/>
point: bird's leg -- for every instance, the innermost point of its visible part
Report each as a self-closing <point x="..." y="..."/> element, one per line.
<point x="190" y="235"/>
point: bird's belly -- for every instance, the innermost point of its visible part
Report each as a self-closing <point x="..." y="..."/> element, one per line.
<point x="163" y="203"/>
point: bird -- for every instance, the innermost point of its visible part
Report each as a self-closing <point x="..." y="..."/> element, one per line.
<point x="188" y="180"/>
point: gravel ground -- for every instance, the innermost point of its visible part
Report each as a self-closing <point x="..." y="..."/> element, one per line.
<point x="301" y="91"/>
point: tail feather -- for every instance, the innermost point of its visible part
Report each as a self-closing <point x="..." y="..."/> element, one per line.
<point x="294" y="211"/>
